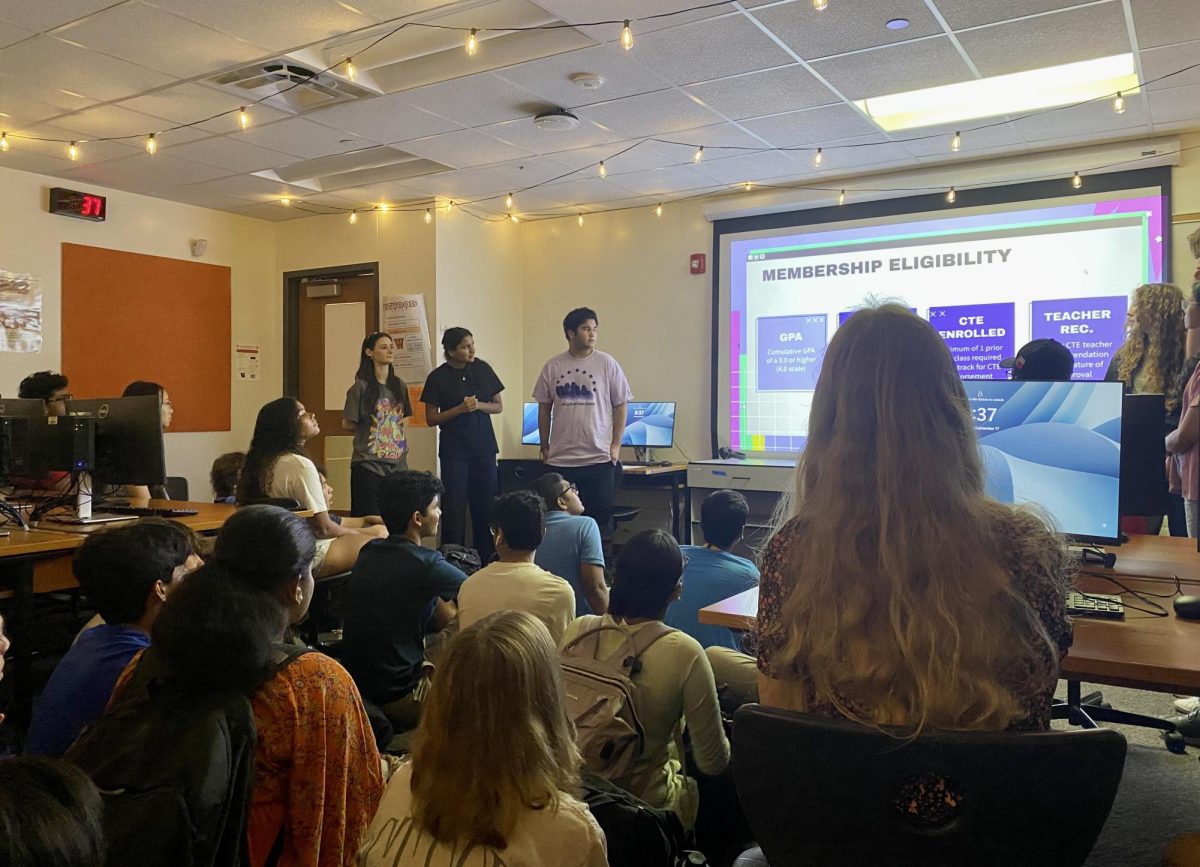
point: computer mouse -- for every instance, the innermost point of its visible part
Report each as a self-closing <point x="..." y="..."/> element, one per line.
<point x="1187" y="607"/>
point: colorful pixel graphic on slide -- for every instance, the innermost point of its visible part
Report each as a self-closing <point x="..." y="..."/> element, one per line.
<point x="1053" y="444"/>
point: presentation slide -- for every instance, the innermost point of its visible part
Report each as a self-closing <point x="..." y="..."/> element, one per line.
<point x="1056" y="445"/>
<point x="989" y="280"/>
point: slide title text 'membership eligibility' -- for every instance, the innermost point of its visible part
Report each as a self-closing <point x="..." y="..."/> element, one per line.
<point x="897" y="263"/>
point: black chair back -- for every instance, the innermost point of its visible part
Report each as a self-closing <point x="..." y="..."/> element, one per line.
<point x="177" y="488"/>
<point x="820" y="791"/>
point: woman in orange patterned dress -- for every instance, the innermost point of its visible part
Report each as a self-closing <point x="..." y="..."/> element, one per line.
<point x="317" y="774"/>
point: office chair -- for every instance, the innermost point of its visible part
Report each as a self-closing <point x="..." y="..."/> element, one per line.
<point x="820" y="791"/>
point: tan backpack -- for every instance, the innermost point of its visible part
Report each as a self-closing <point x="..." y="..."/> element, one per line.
<point x="599" y="694"/>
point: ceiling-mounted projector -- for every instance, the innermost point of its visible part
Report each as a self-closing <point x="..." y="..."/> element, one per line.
<point x="556" y="120"/>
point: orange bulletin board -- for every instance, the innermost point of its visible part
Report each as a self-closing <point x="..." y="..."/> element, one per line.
<point x="126" y="316"/>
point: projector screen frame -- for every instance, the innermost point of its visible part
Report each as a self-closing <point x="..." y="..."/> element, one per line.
<point x="929" y="203"/>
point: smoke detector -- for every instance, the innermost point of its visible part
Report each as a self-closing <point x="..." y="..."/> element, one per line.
<point x="556" y="120"/>
<point x="587" y="81"/>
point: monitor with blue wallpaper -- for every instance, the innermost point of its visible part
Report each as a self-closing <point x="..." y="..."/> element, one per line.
<point x="647" y="425"/>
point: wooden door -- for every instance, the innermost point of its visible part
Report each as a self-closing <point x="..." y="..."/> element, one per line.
<point x="331" y="328"/>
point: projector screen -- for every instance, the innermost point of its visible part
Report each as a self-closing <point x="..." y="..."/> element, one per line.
<point x="1001" y="267"/>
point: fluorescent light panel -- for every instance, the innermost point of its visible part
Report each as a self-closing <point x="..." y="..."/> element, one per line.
<point x="1015" y="93"/>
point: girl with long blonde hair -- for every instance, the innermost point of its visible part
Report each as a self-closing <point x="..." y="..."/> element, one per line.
<point x="1150" y="361"/>
<point x="494" y="763"/>
<point x="899" y="594"/>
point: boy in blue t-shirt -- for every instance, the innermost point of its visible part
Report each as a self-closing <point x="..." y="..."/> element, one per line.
<point x="712" y="573"/>
<point x="126" y="572"/>
<point x="572" y="548"/>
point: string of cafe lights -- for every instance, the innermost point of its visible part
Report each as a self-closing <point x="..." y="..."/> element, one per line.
<point x="626" y="40"/>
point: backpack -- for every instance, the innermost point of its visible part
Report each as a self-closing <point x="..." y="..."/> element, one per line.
<point x="638" y="835"/>
<point x="175" y="770"/>
<point x="465" y="558"/>
<point x="599" y="694"/>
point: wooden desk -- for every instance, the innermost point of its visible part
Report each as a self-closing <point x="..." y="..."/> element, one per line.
<point x="208" y="517"/>
<point x="1161" y="654"/>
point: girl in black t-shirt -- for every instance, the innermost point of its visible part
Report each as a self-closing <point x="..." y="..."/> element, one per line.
<point x="460" y="396"/>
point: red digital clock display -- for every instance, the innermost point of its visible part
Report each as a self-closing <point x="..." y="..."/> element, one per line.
<point x="72" y="203"/>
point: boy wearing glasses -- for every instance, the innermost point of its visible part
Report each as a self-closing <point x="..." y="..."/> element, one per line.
<point x="572" y="548"/>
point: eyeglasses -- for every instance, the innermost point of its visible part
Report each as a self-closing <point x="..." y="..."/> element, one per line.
<point x="62" y="398"/>
<point x="568" y="490"/>
<point x="685" y="560"/>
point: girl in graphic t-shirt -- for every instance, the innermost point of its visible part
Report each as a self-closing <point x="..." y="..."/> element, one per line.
<point x="376" y="407"/>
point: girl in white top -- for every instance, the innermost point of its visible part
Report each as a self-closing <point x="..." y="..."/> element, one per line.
<point x="674" y="685"/>
<point x="494" y="763"/>
<point x="276" y="467"/>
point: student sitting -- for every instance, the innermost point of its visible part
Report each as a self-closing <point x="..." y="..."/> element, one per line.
<point x="127" y="573"/>
<point x="398" y="589"/>
<point x="494" y="770"/>
<point x="515" y="581"/>
<point x="674" y="684"/>
<point x="899" y="594"/>
<point x="571" y="548"/>
<point x="49" y="815"/>
<point x="166" y="412"/>
<point x="711" y="573"/>
<point x="224" y="476"/>
<point x="45" y="385"/>
<point x="276" y="467"/>
<point x="317" y="774"/>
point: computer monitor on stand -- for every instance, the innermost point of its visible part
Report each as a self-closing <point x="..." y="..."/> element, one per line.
<point x="129" y="446"/>
<point x="647" y="426"/>
<point x="1144" y="488"/>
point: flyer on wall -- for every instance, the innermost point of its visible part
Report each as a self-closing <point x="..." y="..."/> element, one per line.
<point x="20" y="312"/>
<point x="404" y="319"/>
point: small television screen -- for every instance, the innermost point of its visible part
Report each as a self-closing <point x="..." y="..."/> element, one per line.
<point x="647" y="425"/>
<point x="1056" y="445"/>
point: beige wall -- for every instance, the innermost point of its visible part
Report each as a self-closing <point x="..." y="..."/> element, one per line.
<point x="1185" y="199"/>
<point x="32" y="239"/>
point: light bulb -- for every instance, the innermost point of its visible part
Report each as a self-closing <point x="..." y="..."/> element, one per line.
<point x="472" y="43"/>
<point x="842" y="197"/>
<point x="1077" y="181"/>
<point x="151" y="145"/>
<point x="351" y="72"/>
<point x="285" y="201"/>
<point x="449" y="206"/>
<point x="818" y="157"/>
<point x="581" y="219"/>
<point x="508" y="201"/>
<point x="73" y="152"/>
<point x="748" y="186"/>
<point x="383" y="207"/>
<point x="243" y="117"/>
<point x="353" y="217"/>
<point x="626" y="36"/>
<point x="820" y="5"/>
<point x="428" y="216"/>
<point x="1119" y="103"/>
<point x="951" y="196"/>
<point x="698" y="155"/>
<point x="3" y="141"/>
<point x="956" y="142"/>
<point x="603" y="170"/>
<point x="658" y="210"/>
<point x="514" y="218"/>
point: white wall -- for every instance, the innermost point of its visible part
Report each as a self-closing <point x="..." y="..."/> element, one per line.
<point x="1185" y="193"/>
<point x="32" y="242"/>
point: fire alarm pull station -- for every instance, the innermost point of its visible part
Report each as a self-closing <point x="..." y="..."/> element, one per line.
<point x="697" y="263"/>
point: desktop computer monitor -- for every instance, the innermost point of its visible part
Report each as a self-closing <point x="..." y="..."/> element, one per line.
<point x="17" y="419"/>
<point x="1143" y="455"/>
<point x="1056" y="445"/>
<point x="647" y="425"/>
<point x="129" y="439"/>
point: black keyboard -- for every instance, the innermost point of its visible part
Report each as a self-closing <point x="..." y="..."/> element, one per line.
<point x="149" y="511"/>
<point x="645" y="463"/>
<point x="1095" y="605"/>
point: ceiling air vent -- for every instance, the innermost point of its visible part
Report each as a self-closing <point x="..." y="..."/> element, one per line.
<point x="287" y="84"/>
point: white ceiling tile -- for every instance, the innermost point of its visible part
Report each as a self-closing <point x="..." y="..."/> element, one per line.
<point x="710" y="49"/>
<point x="17" y="111"/>
<point x="272" y="211"/>
<point x="25" y="89"/>
<point x="55" y="64"/>
<point x="897" y="68"/>
<point x="620" y="157"/>
<point x="847" y="25"/>
<point x="498" y="178"/>
<point x="385" y="119"/>
<point x="10" y="33"/>
<point x="1083" y="120"/>
<point x="1165" y="22"/>
<point x="56" y="147"/>
<point x="772" y="92"/>
<point x="813" y="127"/>
<point x="475" y="100"/>
<point x="188" y="103"/>
<point x="374" y="194"/>
<point x="972" y="13"/>
<point x="23" y="159"/>
<point x="111" y="120"/>
<point x="716" y="137"/>
<point x="1048" y="40"/>
<point x="661" y="182"/>
<point x="524" y="134"/>
<point x="143" y="173"/>
<point x="1177" y="105"/>
<point x="44" y="16"/>
<point x="160" y="41"/>
<point x="754" y="167"/>
<point x="390" y="10"/>
<point x="550" y="77"/>
<point x="842" y="156"/>
<point x="201" y="198"/>
<point x="249" y="187"/>
<point x="935" y="140"/>
<point x="581" y="191"/>
<point x="577" y="11"/>
<point x="1160" y="62"/>
<point x="464" y="148"/>
<point x="650" y="114"/>
<point x="301" y="138"/>
<point x="235" y="155"/>
<point x="275" y="24"/>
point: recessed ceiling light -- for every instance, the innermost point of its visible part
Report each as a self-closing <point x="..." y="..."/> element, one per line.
<point x="897" y="24"/>
<point x="1004" y="94"/>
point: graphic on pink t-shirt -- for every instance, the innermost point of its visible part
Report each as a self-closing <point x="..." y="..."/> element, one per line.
<point x="576" y="387"/>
